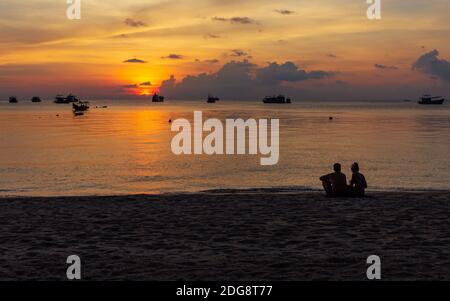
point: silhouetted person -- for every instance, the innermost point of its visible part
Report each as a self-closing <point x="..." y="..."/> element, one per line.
<point x="358" y="184"/>
<point x="335" y="184"/>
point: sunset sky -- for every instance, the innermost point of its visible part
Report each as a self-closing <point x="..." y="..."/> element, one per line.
<point x="243" y="49"/>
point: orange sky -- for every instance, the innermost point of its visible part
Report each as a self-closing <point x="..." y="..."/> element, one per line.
<point x="44" y="52"/>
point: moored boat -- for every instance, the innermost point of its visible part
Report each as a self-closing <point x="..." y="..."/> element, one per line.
<point x="431" y="100"/>
<point x="72" y="98"/>
<point x="35" y="99"/>
<point x="13" y="99"/>
<point x="60" y="99"/>
<point x="212" y="99"/>
<point x="80" y="106"/>
<point x="157" y="98"/>
<point x="277" y="99"/>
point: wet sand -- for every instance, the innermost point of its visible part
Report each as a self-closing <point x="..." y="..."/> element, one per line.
<point x="227" y="235"/>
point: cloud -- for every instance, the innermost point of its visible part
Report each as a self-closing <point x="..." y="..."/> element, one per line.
<point x="431" y="64"/>
<point x="240" y="80"/>
<point x="135" y="61"/>
<point x="238" y="53"/>
<point x="285" y="11"/>
<point x="332" y="55"/>
<point x="212" y="36"/>
<point x="213" y="61"/>
<point x="134" y="23"/>
<point x="173" y="56"/>
<point x="380" y="66"/>
<point x="274" y="74"/>
<point x="235" y="20"/>
<point x="131" y="86"/>
<point x="145" y="84"/>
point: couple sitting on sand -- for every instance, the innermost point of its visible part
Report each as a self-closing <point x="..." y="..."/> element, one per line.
<point x="335" y="184"/>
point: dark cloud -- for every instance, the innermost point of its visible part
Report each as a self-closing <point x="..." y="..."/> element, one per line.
<point x="213" y="61"/>
<point x="238" y="53"/>
<point x="274" y="74"/>
<point x="235" y="20"/>
<point x="239" y="80"/>
<point x="380" y="66"/>
<point x="212" y="36"/>
<point x="431" y="64"/>
<point x="134" y="23"/>
<point x="131" y="86"/>
<point x="173" y="56"/>
<point x="285" y="11"/>
<point x="145" y="84"/>
<point x="135" y="61"/>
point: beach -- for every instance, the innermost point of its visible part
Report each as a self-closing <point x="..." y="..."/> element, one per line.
<point x="257" y="234"/>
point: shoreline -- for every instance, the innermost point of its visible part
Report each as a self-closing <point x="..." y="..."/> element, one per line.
<point x="236" y="191"/>
<point x="218" y="235"/>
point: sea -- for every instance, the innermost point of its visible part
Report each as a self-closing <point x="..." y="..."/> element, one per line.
<point x="122" y="147"/>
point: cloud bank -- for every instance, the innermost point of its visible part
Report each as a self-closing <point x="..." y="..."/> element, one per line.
<point x="431" y="64"/>
<point x="240" y="80"/>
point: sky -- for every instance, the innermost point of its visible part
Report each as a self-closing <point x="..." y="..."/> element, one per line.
<point x="246" y="49"/>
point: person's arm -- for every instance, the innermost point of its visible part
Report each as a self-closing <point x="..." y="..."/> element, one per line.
<point x="364" y="180"/>
<point x="325" y="177"/>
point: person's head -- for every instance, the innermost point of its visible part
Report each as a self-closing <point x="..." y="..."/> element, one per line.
<point x="355" y="167"/>
<point x="337" y="167"/>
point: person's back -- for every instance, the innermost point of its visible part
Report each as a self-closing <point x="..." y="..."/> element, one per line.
<point x="335" y="184"/>
<point x="358" y="183"/>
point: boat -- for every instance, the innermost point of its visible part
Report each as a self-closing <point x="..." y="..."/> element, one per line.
<point x="72" y="98"/>
<point x="60" y="99"/>
<point x="431" y="100"/>
<point x="13" y="99"/>
<point x="276" y="99"/>
<point x="80" y="106"/>
<point x="35" y="99"/>
<point x="157" y="98"/>
<point x="212" y="99"/>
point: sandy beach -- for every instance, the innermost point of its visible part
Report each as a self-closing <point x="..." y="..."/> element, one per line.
<point x="227" y="235"/>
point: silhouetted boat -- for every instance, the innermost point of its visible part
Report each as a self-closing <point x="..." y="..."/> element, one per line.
<point x="72" y="98"/>
<point x="276" y="99"/>
<point x="13" y="99"/>
<point x="80" y="106"/>
<point x="157" y="98"/>
<point x="35" y="99"/>
<point x="431" y="100"/>
<point x="60" y="99"/>
<point x="212" y="99"/>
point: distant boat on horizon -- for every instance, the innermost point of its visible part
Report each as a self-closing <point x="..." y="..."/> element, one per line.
<point x="72" y="98"/>
<point x="157" y="98"/>
<point x="35" y="99"/>
<point x="13" y="99"/>
<point x="212" y="99"/>
<point x="277" y="99"/>
<point x="431" y="100"/>
<point x="65" y="100"/>
<point x="60" y="99"/>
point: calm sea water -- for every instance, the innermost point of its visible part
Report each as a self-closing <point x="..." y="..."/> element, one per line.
<point x="125" y="148"/>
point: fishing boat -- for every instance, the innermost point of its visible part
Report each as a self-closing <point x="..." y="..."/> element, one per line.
<point x="431" y="100"/>
<point x="157" y="98"/>
<point x="72" y="98"/>
<point x="277" y="99"/>
<point x="35" y="99"/>
<point x="212" y="99"/>
<point x="13" y="99"/>
<point x="60" y="99"/>
<point x="80" y="106"/>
